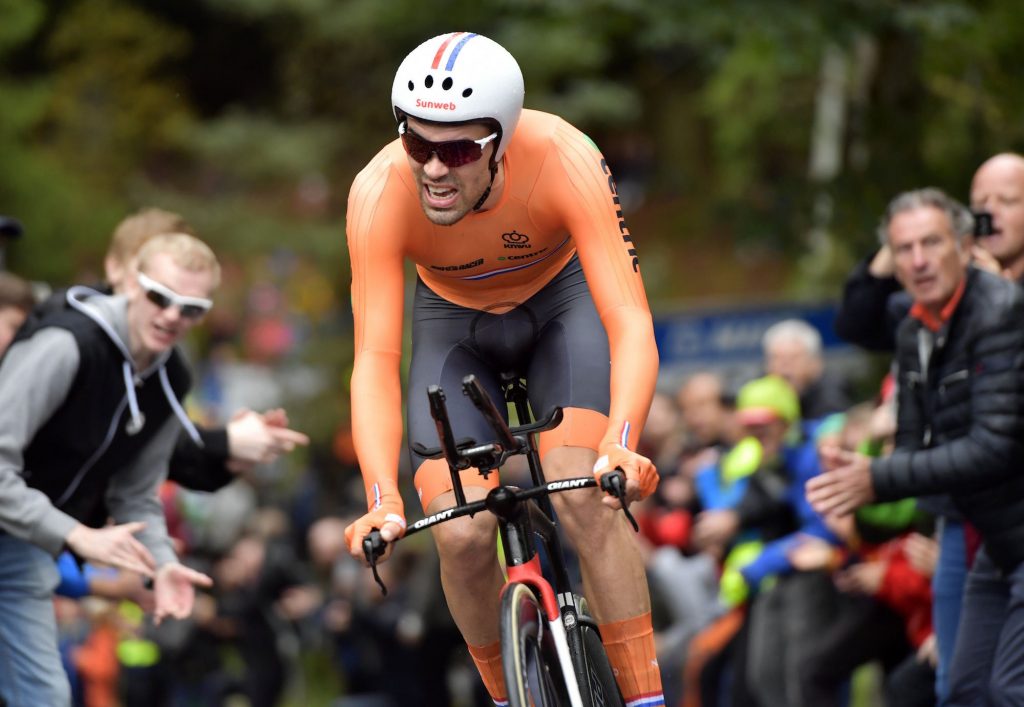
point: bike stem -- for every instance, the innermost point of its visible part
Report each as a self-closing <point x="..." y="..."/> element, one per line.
<point x="516" y="393"/>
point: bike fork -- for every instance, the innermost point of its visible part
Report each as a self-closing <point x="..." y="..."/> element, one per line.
<point x="565" y="660"/>
<point x="574" y="640"/>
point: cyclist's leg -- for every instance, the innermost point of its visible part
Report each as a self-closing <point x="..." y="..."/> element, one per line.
<point x="570" y="367"/>
<point x="472" y="579"/>
<point x="614" y="578"/>
<point x="470" y="573"/>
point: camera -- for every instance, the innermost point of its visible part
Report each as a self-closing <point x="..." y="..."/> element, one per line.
<point x="983" y="223"/>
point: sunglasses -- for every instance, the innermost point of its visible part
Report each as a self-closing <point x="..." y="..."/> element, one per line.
<point x="164" y="297"/>
<point x="453" y="153"/>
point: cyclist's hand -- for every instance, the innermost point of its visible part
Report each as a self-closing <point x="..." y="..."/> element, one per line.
<point x="390" y="521"/>
<point x="641" y="476"/>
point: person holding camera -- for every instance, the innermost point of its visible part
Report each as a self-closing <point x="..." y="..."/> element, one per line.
<point x="960" y="425"/>
<point x="872" y="307"/>
<point x="872" y="294"/>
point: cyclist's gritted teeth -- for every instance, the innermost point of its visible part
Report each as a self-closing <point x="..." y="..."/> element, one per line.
<point x="440" y="196"/>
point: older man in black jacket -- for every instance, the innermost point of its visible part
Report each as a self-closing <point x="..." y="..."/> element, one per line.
<point x="960" y="356"/>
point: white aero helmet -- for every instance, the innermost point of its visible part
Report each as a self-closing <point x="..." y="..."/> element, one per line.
<point x="457" y="77"/>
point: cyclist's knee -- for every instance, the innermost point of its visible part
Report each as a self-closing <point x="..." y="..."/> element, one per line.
<point x="467" y="542"/>
<point x="586" y="520"/>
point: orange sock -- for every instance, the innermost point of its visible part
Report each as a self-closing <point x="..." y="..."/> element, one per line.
<point x="630" y="647"/>
<point x="488" y="664"/>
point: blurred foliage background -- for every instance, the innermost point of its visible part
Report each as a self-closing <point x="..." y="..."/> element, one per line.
<point x="755" y="143"/>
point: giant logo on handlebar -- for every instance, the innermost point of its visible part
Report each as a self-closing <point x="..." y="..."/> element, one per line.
<point x="429" y="520"/>
<point x="570" y="484"/>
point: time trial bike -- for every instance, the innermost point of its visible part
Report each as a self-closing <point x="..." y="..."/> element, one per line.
<point x="552" y="655"/>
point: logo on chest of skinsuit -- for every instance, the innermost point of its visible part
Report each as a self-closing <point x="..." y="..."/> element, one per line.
<point x="463" y="266"/>
<point x="515" y="239"/>
<point x="523" y="256"/>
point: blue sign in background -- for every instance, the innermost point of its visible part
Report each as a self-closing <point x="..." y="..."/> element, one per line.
<point x="721" y="337"/>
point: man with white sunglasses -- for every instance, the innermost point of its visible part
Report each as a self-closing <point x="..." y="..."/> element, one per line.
<point x="249" y="437"/>
<point x="90" y="409"/>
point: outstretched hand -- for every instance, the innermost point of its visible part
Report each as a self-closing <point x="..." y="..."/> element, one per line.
<point x="174" y="591"/>
<point x="255" y="438"/>
<point x="114" y="545"/>
<point x="846" y="487"/>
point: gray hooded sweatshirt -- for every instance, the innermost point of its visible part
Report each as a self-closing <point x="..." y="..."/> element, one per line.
<point x="36" y="376"/>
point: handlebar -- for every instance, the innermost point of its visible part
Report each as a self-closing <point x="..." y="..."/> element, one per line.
<point x="487" y="457"/>
<point x="612" y="483"/>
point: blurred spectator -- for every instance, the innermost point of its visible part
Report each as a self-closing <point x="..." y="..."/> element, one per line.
<point x="719" y="649"/>
<point x="706" y="413"/>
<point x="95" y="388"/>
<point x="960" y="425"/>
<point x="261" y="589"/>
<point x="792" y="605"/>
<point x="409" y="631"/>
<point x="998" y="189"/>
<point x="249" y="438"/>
<point x="874" y="303"/>
<point x="872" y="306"/>
<point x="793" y="351"/>
<point x="884" y="611"/>
<point x="207" y="464"/>
<point x="663" y="435"/>
<point x="16" y="302"/>
<point x="96" y="659"/>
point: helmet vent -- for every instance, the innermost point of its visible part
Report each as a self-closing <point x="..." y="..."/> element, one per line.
<point x="429" y="81"/>
<point x="410" y="85"/>
<point x="447" y="83"/>
<point x="467" y="93"/>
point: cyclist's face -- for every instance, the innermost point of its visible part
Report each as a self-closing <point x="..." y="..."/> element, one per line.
<point x="449" y="193"/>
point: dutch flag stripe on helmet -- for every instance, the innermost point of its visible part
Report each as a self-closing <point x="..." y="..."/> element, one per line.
<point x="458" y="77"/>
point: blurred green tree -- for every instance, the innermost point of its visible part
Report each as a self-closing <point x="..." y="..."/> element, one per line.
<point x="754" y="143"/>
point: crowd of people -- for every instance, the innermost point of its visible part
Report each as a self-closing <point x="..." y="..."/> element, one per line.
<point x="796" y="534"/>
<point x="796" y="537"/>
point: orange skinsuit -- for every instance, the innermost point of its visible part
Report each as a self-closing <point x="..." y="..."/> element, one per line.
<point x="559" y="197"/>
<point x="559" y="194"/>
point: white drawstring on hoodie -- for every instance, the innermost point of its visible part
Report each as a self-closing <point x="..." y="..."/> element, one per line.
<point x="128" y="369"/>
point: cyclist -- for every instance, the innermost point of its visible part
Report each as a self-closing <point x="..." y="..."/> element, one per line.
<point x="523" y="261"/>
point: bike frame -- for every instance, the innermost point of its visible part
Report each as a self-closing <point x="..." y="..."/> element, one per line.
<point x="517" y="526"/>
<point x="518" y="520"/>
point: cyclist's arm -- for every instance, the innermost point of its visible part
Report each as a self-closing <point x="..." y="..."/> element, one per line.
<point x="608" y="257"/>
<point x="377" y="303"/>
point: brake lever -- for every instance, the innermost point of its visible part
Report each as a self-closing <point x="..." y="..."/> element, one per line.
<point x="374" y="547"/>
<point x="614" y="484"/>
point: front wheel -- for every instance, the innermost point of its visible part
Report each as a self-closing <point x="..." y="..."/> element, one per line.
<point x="604" y="690"/>
<point x="533" y="676"/>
